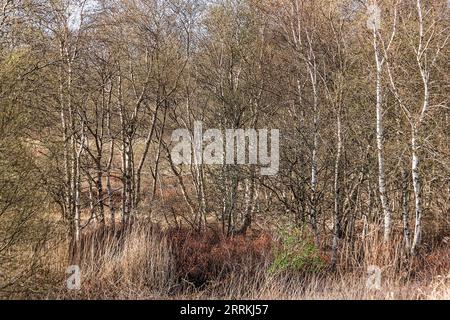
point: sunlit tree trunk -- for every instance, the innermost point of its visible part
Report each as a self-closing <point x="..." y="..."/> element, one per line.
<point x="337" y="191"/>
<point x="380" y="140"/>
<point x="405" y="211"/>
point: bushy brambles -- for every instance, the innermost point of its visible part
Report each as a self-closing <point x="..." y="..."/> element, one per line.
<point x="210" y="256"/>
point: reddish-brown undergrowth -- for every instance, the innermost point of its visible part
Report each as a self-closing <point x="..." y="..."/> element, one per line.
<point x="208" y="256"/>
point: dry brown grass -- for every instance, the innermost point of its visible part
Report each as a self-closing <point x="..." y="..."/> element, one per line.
<point x="145" y="262"/>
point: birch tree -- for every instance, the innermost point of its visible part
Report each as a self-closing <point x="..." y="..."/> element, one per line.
<point x="380" y="60"/>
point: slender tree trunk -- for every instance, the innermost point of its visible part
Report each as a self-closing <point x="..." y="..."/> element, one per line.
<point x="99" y="185"/>
<point x="92" y="207"/>
<point x="405" y="211"/>
<point x="77" y="185"/>
<point x="380" y="144"/>
<point x="124" y="152"/>
<point x="129" y="178"/>
<point x="158" y="159"/>
<point x="417" y="192"/>
<point x="108" y="185"/>
<point x="314" y="179"/>
<point x="75" y="154"/>
<point x="415" y="132"/>
<point x="148" y="141"/>
<point x="337" y="193"/>
<point x="66" y="148"/>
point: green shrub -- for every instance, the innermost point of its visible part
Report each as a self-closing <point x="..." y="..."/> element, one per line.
<point x="296" y="254"/>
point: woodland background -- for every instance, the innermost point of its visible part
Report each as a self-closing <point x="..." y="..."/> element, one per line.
<point x="90" y="92"/>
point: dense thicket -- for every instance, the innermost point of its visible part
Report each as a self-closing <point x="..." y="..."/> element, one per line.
<point x="90" y="92"/>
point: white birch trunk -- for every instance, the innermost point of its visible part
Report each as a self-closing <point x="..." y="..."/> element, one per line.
<point x="405" y="212"/>
<point x="415" y="135"/>
<point x="337" y="193"/>
<point x="380" y="143"/>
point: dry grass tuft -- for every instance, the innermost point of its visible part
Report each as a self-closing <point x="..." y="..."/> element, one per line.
<point x="146" y="262"/>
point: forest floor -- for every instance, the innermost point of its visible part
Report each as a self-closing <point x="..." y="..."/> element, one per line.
<point x="149" y="262"/>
